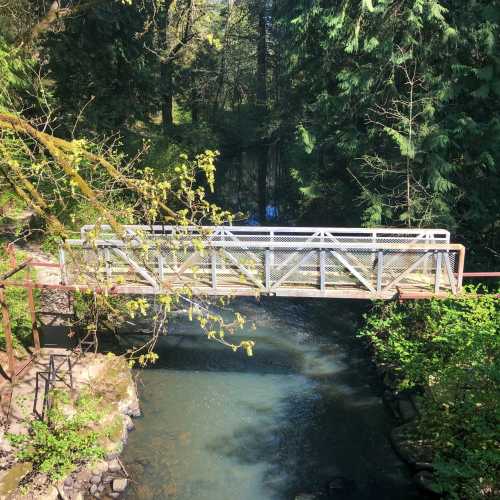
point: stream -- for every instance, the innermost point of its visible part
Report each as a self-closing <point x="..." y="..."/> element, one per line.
<point x="302" y="415"/>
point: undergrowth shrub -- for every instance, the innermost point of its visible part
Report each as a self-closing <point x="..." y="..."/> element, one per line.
<point x="17" y="302"/>
<point x="449" y="349"/>
<point x="68" y="439"/>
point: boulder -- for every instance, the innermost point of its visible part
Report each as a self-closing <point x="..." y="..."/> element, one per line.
<point x="10" y="478"/>
<point x="83" y="476"/>
<point x="119" y="485"/>
<point x="100" y="467"/>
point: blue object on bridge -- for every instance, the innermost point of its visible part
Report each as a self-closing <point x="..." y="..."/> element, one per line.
<point x="271" y="212"/>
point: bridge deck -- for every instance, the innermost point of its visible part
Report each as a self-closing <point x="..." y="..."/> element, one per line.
<point x="294" y="262"/>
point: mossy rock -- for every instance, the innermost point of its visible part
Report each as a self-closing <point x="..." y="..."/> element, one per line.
<point x="408" y="447"/>
<point x="114" y="380"/>
<point x="11" y="478"/>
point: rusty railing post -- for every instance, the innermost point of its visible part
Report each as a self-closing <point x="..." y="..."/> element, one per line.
<point x="461" y="261"/>
<point x="8" y="334"/>
<point x="31" y="305"/>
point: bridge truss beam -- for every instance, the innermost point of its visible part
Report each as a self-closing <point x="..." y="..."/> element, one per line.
<point x="295" y="262"/>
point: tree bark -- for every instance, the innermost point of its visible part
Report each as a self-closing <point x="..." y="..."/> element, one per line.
<point x="54" y="13"/>
<point x="167" y="95"/>
<point x="261" y="106"/>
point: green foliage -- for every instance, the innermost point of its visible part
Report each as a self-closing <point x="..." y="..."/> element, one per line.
<point x="451" y="350"/>
<point x="70" y="439"/>
<point x="17" y="300"/>
<point x="102" y="76"/>
<point x="307" y="139"/>
<point x="15" y="79"/>
<point x="350" y="65"/>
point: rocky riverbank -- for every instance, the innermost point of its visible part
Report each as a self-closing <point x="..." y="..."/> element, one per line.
<point x="108" y="378"/>
<point x="403" y="405"/>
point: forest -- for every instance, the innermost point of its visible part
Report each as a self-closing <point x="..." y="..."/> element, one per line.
<point x="335" y="113"/>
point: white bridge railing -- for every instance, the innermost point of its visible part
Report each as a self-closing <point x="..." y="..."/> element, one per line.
<point x="286" y="261"/>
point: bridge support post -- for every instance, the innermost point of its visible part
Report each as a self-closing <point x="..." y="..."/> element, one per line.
<point x="380" y="270"/>
<point x="322" y="270"/>
<point x="437" y="280"/>
<point x="267" y="269"/>
<point x="461" y="260"/>
<point x="62" y="265"/>
<point x="213" y="268"/>
<point x="161" y="267"/>
<point x="34" y="326"/>
<point x="107" y="263"/>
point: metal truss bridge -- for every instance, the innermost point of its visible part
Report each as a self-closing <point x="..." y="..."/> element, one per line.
<point x="352" y="263"/>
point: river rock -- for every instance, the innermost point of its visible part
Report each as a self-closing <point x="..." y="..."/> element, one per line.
<point x="406" y="410"/>
<point x="95" y="479"/>
<point x="424" y="479"/>
<point x="50" y="494"/>
<point x="120" y="485"/>
<point x="93" y="489"/>
<point x="83" y="476"/>
<point x="5" y="446"/>
<point x="100" y="468"/>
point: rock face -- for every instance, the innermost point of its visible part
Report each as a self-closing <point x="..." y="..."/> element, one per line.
<point x="10" y="478"/>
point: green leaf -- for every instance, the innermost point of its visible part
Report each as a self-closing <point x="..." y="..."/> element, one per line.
<point x="308" y="139"/>
<point x="367" y="5"/>
<point x="406" y="147"/>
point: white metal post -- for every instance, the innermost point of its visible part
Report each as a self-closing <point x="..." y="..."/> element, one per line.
<point x="322" y="270"/>
<point x="267" y="269"/>
<point x="437" y="281"/>
<point x="213" y="266"/>
<point x="380" y="270"/>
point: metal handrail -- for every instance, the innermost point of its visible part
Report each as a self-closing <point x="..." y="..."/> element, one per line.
<point x="50" y="377"/>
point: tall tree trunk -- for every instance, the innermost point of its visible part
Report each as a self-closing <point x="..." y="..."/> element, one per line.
<point x="167" y="95"/>
<point x="261" y="104"/>
<point x="167" y="75"/>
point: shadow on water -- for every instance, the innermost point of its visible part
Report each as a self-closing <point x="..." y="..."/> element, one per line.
<point x="302" y="412"/>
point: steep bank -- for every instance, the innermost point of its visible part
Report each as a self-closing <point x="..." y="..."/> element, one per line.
<point x="108" y="379"/>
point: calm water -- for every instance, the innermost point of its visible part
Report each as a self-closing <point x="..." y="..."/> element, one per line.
<point x="221" y="426"/>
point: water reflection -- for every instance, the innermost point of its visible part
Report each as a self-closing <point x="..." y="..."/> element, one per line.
<point x="218" y="425"/>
